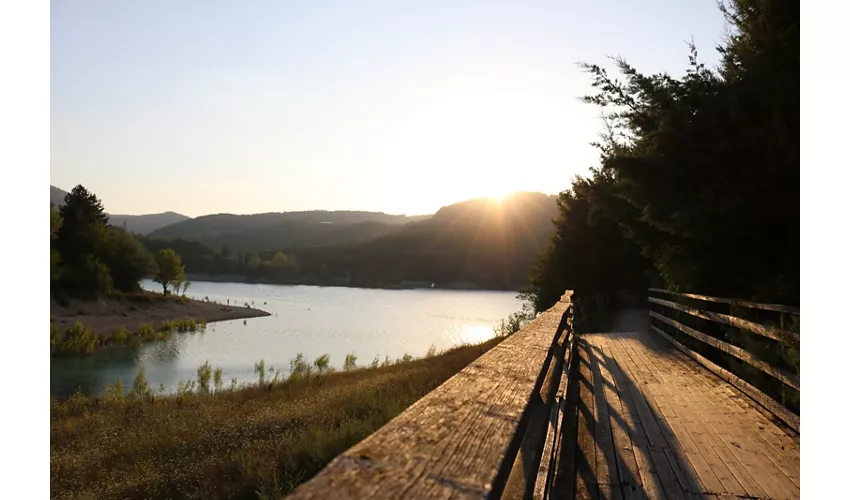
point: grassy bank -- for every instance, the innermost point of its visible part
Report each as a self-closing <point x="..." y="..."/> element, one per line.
<point x="80" y="340"/>
<point x="80" y="326"/>
<point x="259" y="441"/>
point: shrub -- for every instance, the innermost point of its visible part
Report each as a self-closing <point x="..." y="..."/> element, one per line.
<point x="204" y="376"/>
<point x="322" y="363"/>
<point x="299" y="368"/>
<point x="141" y="388"/>
<point x="350" y="362"/>
<point x="217" y="382"/>
<point x="115" y="392"/>
<point x="260" y="369"/>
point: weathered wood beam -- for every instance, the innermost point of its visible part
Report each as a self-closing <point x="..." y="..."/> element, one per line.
<point x="789" y="379"/>
<point x="784" y="336"/>
<point x="463" y="438"/>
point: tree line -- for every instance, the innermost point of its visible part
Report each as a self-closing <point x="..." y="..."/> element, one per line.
<point x="91" y="258"/>
<point x="697" y="187"/>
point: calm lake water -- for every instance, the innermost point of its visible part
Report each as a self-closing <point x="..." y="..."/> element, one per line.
<point x="307" y="319"/>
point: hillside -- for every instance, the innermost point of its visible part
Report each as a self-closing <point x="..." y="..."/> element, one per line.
<point x="139" y="224"/>
<point x="481" y="243"/>
<point x="144" y="224"/>
<point x="57" y="196"/>
<point x="478" y="243"/>
<point x="274" y="231"/>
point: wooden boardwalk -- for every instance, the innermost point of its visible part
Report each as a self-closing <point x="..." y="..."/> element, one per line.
<point x="652" y="423"/>
<point x="639" y="413"/>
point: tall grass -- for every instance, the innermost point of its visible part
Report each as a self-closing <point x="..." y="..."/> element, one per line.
<point x="253" y="441"/>
<point x="78" y="339"/>
<point x="511" y="325"/>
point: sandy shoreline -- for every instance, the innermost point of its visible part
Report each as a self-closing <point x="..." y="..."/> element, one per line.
<point x="108" y="315"/>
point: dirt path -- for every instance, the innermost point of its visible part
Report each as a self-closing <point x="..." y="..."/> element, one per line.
<point x="631" y="320"/>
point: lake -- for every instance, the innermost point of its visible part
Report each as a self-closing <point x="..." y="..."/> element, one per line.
<point x="307" y="319"/>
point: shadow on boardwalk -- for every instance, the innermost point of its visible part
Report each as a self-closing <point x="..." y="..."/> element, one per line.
<point x="649" y="423"/>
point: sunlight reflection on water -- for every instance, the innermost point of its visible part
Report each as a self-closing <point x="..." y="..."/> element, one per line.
<point x="474" y="334"/>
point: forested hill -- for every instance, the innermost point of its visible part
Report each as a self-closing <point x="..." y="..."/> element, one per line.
<point x="478" y="243"/>
<point x="275" y="231"/>
<point x="139" y="224"/>
<point x="483" y="243"/>
<point x="57" y="196"/>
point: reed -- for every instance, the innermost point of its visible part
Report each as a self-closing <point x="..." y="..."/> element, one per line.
<point x="78" y="339"/>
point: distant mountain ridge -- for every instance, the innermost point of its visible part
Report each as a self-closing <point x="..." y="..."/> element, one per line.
<point x="281" y="230"/>
<point x="488" y="243"/>
<point x="480" y="243"/>
<point x="57" y="196"/>
<point x="139" y="224"/>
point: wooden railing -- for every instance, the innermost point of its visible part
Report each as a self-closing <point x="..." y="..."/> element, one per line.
<point x="491" y="430"/>
<point x="772" y="338"/>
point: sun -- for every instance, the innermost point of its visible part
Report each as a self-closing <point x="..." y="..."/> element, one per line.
<point x="501" y="194"/>
<point x="494" y="188"/>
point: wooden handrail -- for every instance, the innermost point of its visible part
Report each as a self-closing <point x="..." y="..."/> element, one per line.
<point x="758" y="396"/>
<point x="770" y="332"/>
<point x="736" y="302"/>
<point x="484" y="432"/>
<point x="777" y="334"/>
<point x="789" y="379"/>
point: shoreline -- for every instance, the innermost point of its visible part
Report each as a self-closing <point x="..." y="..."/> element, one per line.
<point x="411" y="285"/>
<point x="110" y="314"/>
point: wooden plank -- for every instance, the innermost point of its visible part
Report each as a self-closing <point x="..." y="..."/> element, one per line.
<point x="607" y="473"/>
<point x="778" y="334"/>
<point x="552" y="446"/>
<point x="760" y="466"/>
<point x="675" y="452"/>
<point x="460" y="439"/>
<point x="630" y="480"/>
<point x="779" y="446"/>
<point x="657" y="442"/>
<point x="681" y="484"/>
<point x="777" y="477"/>
<point x="586" y="484"/>
<point x="783" y="439"/>
<point x="651" y="482"/>
<point x="703" y="437"/>
<point x="761" y="398"/>
<point x="747" y="466"/>
<point x="541" y="485"/>
<point x="565" y="470"/>
<point x="724" y="444"/>
<point x="737" y="302"/>
<point x="789" y="379"/>
<point x="707" y="479"/>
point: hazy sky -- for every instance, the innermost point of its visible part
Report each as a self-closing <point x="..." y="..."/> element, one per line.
<point x="398" y="106"/>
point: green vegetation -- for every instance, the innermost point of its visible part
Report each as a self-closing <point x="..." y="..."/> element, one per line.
<point x="135" y="224"/>
<point x="258" y="232"/>
<point x="253" y="441"/>
<point x="55" y="258"/>
<point x="509" y="326"/>
<point x="170" y="270"/>
<point x="697" y="190"/>
<point x="91" y="258"/>
<point x="80" y="340"/>
<point x="698" y="184"/>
